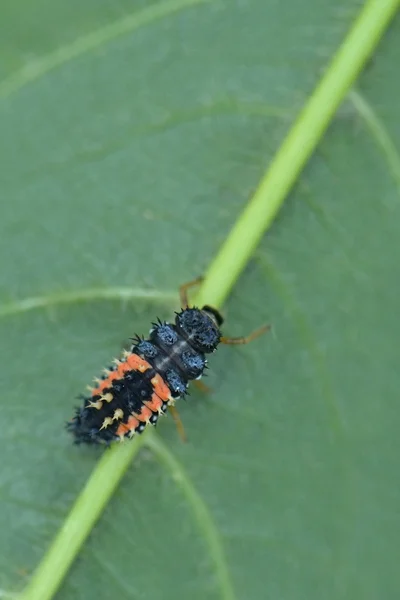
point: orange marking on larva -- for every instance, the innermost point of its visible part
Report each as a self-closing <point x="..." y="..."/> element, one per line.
<point x="122" y="369"/>
<point x="122" y="429"/>
<point x="155" y="403"/>
<point x="144" y="414"/>
<point x="127" y="427"/>
<point x="106" y="383"/>
<point x="137" y="363"/>
<point x="160" y="387"/>
<point x="132" y="423"/>
<point x="133" y="363"/>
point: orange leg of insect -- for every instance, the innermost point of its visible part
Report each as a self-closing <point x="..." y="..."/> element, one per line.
<point x="178" y="423"/>
<point x="248" y="338"/>
<point x="202" y="387"/>
<point x="184" y="289"/>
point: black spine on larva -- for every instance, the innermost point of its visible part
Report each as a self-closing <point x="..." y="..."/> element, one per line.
<point x="175" y="351"/>
<point x="198" y="329"/>
<point x="85" y="428"/>
<point x="159" y="351"/>
<point x="173" y="355"/>
<point x="128" y="394"/>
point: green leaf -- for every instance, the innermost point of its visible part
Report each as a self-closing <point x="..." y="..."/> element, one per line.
<point x="132" y="137"/>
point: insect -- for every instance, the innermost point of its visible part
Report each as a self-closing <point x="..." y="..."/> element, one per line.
<point x="151" y="376"/>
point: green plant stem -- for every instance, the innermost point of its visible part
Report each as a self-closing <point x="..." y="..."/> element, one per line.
<point x="295" y="151"/>
<point x="81" y="519"/>
<point x="224" y="271"/>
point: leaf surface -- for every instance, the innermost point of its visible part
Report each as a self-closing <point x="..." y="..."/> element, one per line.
<point x="133" y="134"/>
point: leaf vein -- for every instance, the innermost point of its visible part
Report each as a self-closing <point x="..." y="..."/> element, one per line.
<point x="107" y="567"/>
<point x="311" y="344"/>
<point x="85" y="295"/>
<point x="379" y="133"/>
<point x="95" y="39"/>
<point x="170" y="462"/>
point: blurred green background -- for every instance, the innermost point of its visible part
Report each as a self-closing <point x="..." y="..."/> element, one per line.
<point x="132" y="135"/>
